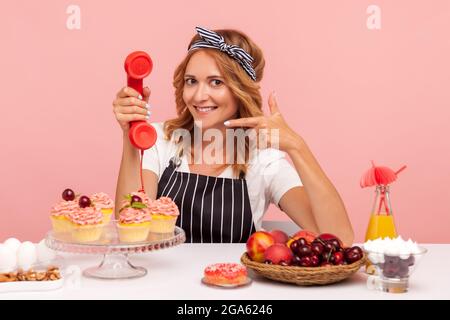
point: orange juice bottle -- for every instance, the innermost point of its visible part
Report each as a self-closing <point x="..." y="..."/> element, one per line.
<point x="381" y="223"/>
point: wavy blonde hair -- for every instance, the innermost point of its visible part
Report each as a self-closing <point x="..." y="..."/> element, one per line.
<point x="244" y="89"/>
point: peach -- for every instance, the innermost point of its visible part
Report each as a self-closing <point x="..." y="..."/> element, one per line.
<point x="308" y="235"/>
<point x="257" y="245"/>
<point x="279" y="236"/>
<point x="278" y="254"/>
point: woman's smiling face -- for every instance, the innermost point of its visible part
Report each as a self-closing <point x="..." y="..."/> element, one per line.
<point x="205" y="94"/>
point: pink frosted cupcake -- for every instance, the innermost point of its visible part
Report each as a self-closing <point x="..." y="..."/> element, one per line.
<point x="87" y="224"/>
<point x="59" y="215"/>
<point x="106" y="205"/>
<point x="134" y="218"/>
<point x="164" y="215"/>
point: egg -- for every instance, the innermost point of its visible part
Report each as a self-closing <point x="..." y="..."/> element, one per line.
<point x="12" y="243"/>
<point x="44" y="254"/>
<point x="26" y="255"/>
<point x="8" y="260"/>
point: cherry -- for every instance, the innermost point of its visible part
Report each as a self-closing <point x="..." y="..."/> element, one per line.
<point x="296" y="260"/>
<point x="315" y="260"/>
<point x="391" y="259"/>
<point x="329" y="247"/>
<point x="135" y="199"/>
<point x="353" y="254"/>
<point x="337" y="258"/>
<point x="305" y="261"/>
<point x="403" y="271"/>
<point x="390" y="270"/>
<point x="357" y="250"/>
<point x="304" y="250"/>
<point x="410" y="260"/>
<point x="302" y="241"/>
<point x="268" y="262"/>
<point x="351" y="257"/>
<point x="326" y="256"/>
<point x="68" y="195"/>
<point x="317" y="248"/>
<point x="294" y="246"/>
<point x="84" y="202"/>
<point x="335" y="243"/>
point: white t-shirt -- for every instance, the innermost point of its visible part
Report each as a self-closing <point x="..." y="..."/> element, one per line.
<point x="268" y="177"/>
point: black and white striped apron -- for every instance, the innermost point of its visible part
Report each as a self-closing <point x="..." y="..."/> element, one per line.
<point x="212" y="209"/>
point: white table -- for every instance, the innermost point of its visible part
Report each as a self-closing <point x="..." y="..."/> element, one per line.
<point x="175" y="273"/>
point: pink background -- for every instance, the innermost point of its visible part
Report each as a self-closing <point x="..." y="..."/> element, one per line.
<point x="354" y="94"/>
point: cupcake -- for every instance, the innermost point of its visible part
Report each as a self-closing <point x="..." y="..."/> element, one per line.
<point x="134" y="218"/>
<point x="164" y="215"/>
<point x="87" y="222"/>
<point x="59" y="215"/>
<point x="103" y="202"/>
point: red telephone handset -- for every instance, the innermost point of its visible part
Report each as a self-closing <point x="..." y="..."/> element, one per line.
<point x="138" y="65"/>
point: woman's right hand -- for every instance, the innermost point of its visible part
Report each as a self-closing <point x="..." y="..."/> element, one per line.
<point x="130" y="106"/>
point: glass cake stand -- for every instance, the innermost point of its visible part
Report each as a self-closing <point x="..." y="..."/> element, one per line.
<point x="115" y="263"/>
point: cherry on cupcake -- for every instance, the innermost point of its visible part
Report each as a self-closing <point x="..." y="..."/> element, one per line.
<point x="135" y="199"/>
<point x="84" y="202"/>
<point x="68" y="195"/>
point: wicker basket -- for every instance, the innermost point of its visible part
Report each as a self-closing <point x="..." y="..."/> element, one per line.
<point x="304" y="276"/>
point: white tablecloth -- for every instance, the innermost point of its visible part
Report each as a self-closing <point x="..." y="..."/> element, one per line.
<point x="176" y="273"/>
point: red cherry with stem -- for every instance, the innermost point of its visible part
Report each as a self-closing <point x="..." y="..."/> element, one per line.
<point x="135" y="199"/>
<point x="329" y="247"/>
<point x="326" y="256"/>
<point x="84" y="202"/>
<point x="68" y="195"/>
<point x="335" y="243"/>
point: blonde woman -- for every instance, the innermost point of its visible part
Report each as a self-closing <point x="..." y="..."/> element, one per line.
<point x="224" y="198"/>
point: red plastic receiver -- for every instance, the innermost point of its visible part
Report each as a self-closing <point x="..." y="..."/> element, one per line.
<point x="138" y="65"/>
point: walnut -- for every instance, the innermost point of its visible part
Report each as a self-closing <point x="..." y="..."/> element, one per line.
<point x="52" y="273"/>
<point x="30" y="276"/>
<point x="21" y="276"/>
<point x="7" y="277"/>
<point x="41" y="276"/>
<point x="55" y="272"/>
